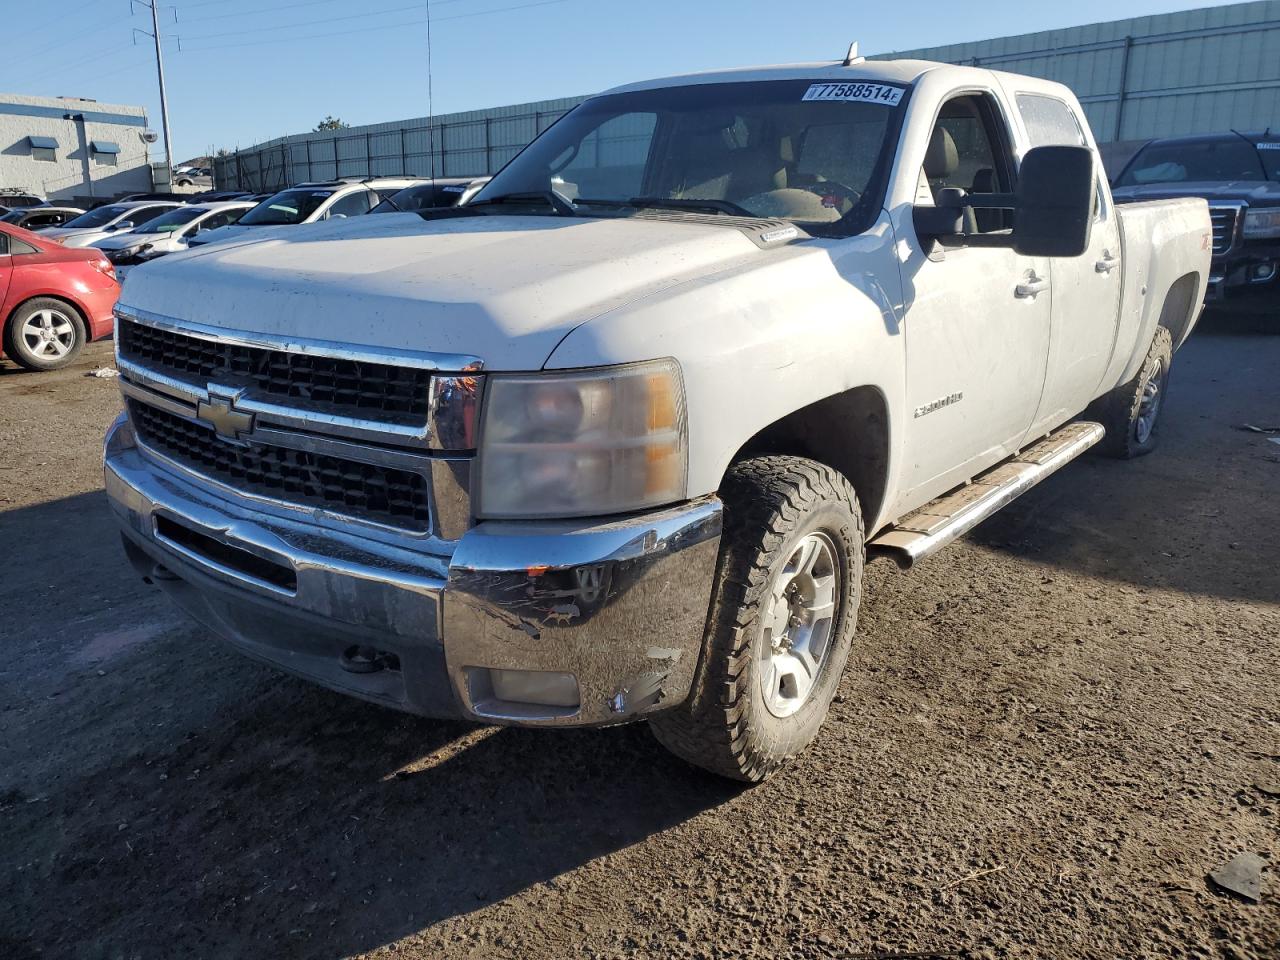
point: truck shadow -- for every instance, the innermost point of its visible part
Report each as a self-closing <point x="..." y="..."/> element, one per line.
<point x="1199" y="514"/>
<point x="167" y="796"/>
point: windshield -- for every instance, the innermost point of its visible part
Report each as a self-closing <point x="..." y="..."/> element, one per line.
<point x="810" y="152"/>
<point x="288" y="206"/>
<point x="97" y="218"/>
<point x="171" y="221"/>
<point x="425" y="197"/>
<point x="13" y="216"/>
<point x="1205" y="161"/>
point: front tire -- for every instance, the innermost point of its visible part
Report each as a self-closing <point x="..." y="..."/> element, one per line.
<point x="783" y="615"/>
<point x="44" y="334"/>
<point x="1130" y="412"/>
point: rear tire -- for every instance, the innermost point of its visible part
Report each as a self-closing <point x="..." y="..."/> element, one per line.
<point x="44" y="334"/>
<point x="783" y="615"/>
<point x="1130" y="412"/>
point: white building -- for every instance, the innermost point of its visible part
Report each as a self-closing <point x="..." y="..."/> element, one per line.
<point x="64" y="148"/>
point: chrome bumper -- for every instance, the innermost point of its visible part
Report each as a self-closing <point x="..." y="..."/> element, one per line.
<point x="618" y="605"/>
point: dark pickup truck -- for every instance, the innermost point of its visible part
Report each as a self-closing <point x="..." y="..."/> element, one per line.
<point x="1239" y="175"/>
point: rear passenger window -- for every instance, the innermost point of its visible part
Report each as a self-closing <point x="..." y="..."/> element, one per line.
<point x="141" y="215"/>
<point x="1050" y="122"/>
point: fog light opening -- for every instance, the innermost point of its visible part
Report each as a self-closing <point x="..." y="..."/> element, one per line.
<point x="1262" y="272"/>
<point x="528" y="694"/>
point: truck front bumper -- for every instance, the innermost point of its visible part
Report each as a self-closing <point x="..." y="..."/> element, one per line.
<point x="567" y="623"/>
<point x="1248" y="271"/>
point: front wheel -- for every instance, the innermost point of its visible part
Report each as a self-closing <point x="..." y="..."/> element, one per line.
<point x="44" y="334"/>
<point x="783" y="616"/>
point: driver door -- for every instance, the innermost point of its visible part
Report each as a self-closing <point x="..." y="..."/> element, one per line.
<point x="976" y="317"/>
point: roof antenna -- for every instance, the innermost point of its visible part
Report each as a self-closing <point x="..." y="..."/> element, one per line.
<point x="853" y="57"/>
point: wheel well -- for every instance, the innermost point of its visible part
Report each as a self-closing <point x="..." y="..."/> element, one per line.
<point x="49" y="296"/>
<point x="1179" y="306"/>
<point x="849" y="432"/>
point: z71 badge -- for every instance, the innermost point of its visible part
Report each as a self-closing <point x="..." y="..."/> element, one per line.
<point x="929" y="408"/>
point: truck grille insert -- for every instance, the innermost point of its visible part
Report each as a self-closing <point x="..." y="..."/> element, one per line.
<point x="354" y="386"/>
<point x="1224" y="228"/>
<point x="365" y="491"/>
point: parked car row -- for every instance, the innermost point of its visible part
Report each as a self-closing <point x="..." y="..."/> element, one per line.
<point x="50" y="311"/>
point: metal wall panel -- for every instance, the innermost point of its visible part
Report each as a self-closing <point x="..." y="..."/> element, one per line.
<point x="1192" y="71"/>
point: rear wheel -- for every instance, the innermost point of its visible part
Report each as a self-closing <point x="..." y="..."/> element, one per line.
<point x="782" y="620"/>
<point x="44" y="334"/>
<point x="1130" y="413"/>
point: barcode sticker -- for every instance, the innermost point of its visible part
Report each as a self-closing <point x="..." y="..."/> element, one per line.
<point x="855" y="93"/>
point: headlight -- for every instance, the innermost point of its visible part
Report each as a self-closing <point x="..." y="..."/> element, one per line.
<point x="1261" y="223"/>
<point x="604" y="441"/>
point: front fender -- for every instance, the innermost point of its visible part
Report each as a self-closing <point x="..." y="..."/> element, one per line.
<point x="764" y="339"/>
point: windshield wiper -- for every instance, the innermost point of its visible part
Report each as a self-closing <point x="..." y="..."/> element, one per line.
<point x="682" y="203"/>
<point x="559" y="204"/>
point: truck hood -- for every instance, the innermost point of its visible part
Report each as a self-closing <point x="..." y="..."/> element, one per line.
<point x="1253" y="192"/>
<point x="506" y="289"/>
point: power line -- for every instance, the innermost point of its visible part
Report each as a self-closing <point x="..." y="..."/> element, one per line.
<point x="378" y="28"/>
<point x="288" y="6"/>
<point x="293" y="26"/>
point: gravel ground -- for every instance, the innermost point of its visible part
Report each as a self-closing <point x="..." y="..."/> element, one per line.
<point x="1047" y="736"/>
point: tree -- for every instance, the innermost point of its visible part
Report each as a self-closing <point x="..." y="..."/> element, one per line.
<point x="331" y="123"/>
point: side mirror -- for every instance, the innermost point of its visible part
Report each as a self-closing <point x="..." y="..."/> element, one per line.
<point x="1054" y="202"/>
<point x="121" y="225"/>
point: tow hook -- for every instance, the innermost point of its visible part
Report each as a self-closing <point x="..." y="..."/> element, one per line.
<point x="362" y="659"/>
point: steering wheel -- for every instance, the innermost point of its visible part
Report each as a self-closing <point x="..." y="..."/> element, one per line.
<point x="833" y="193"/>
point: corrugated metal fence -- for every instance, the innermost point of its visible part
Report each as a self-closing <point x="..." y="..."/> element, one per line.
<point x="1193" y="71"/>
<point x="458" y="145"/>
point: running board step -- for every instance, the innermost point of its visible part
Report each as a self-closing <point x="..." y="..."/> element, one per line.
<point x="937" y="523"/>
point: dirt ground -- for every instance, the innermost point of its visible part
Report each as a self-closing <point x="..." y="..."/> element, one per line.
<point x="1046" y="738"/>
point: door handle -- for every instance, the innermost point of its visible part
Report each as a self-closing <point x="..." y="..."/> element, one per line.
<point x="1107" y="263"/>
<point x="1031" y="287"/>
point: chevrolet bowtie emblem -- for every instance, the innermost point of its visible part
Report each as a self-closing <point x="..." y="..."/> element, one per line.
<point x="221" y="414"/>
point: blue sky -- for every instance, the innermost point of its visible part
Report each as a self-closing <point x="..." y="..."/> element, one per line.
<point x="250" y="70"/>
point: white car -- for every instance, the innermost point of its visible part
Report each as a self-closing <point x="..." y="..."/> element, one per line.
<point x="312" y="202"/>
<point x="613" y="441"/>
<point x="168" y="233"/>
<point x="106" y="221"/>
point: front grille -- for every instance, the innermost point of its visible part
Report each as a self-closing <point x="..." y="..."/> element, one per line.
<point x="354" y="386"/>
<point x="367" y="491"/>
<point x="1224" y="228"/>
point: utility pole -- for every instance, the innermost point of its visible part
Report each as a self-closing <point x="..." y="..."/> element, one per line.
<point x="154" y="6"/>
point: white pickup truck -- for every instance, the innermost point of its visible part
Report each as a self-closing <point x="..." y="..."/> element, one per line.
<point x="614" y="440"/>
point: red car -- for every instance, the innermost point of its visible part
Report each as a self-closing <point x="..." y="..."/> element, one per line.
<point x="53" y="299"/>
